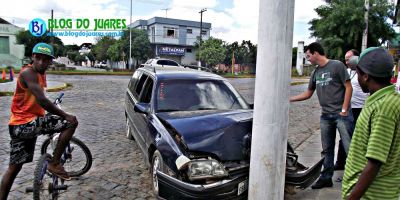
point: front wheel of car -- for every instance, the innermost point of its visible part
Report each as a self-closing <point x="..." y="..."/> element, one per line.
<point x="157" y="163"/>
<point x="128" y="130"/>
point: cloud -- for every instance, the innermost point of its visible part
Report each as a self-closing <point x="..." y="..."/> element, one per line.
<point x="304" y="12"/>
<point x="193" y="4"/>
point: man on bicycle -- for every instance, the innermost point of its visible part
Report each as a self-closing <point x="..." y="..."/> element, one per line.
<point x="28" y="119"/>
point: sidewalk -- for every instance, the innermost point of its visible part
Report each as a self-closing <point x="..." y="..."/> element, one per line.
<point x="310" y="153"/>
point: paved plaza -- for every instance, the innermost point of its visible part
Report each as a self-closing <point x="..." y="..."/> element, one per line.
<point x="118" y="170"/>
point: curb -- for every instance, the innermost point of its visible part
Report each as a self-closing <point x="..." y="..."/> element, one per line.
<point x="52" y="89"/>
<point x="298" y="83"/>
<point x="59" y="88"/>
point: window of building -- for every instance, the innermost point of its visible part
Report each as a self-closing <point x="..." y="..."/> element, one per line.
<point x="170" y="32"/>
<point x="4" y="45"/>
<point x="153" y="34"/>
<point x="204" y="32"/>
<point x="189" y="30"/>
<point x="188" y="50"/>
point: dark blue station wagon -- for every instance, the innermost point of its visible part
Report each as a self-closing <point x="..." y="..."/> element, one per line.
<point x="194" y="131"/>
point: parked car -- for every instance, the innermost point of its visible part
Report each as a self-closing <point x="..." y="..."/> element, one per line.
<point x="101" y="65"/>
<point x="160" y="62"/>
<point x="194" y="131"/>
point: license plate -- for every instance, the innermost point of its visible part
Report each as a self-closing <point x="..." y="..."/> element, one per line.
<point x="242" y="187"/>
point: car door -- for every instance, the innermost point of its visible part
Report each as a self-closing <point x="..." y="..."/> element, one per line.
<point x="131" y="96"/>
<point x="143" y="119"/>
<point x="137" y="120"/>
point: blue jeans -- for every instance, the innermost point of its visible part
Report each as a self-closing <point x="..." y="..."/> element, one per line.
<point x="328" y="124"/>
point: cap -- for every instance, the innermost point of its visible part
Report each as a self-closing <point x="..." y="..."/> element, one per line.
<point x="376" y="61"/>
<point x="353" y="61"/>
<point x="43" y="48"/>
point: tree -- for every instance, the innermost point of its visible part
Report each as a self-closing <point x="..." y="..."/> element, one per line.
<point x="141" y="48"/>
<point x="341" y="23"/>
<point x="249" y="52"/>
<point x="80" y="58"/>
<point x="29" y="41"/>
<point x="115" y="51"/>
<point x="232" y="49"/>
<point x="212" y="51"/>
<point x="101" y="47"/>
<point x="68" y="48"/>
<point x="245" y="53"/>
<point x="72" y="55"/>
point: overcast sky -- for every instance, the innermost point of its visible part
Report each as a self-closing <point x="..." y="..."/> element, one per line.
<point x="232" y="20"/>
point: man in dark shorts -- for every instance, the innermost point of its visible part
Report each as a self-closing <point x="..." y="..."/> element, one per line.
<point x="28" y="119"/>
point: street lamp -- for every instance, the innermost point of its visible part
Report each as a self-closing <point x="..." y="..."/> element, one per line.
<point x="201" y="30"/>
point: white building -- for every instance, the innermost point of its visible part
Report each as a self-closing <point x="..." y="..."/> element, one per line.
<point x="11" y="54"/>
<point x="174" y="38"/>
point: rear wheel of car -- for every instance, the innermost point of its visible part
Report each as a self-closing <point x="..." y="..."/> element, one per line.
<point x="157" y="163"/>
<point x="128" y="130"/>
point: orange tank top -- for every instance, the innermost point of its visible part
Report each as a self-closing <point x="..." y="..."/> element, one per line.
<point x="24" y="107"/>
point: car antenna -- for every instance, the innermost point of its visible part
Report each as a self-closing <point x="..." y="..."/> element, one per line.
<point x="154" y="69"/>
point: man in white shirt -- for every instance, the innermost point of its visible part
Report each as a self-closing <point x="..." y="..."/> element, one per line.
<point x="357" y="100"/>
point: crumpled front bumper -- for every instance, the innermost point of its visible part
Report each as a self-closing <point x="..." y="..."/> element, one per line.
<point x="304" y="178"/>
<point x="171" y="188"/>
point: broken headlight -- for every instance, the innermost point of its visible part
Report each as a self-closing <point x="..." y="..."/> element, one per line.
<point x="203" y="169"/>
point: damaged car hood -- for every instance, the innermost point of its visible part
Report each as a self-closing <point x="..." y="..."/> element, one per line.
<point x="225" y="134"/>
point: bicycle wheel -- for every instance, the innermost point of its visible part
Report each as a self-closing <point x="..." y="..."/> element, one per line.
<point x="80" y="160"/>
<point x="42" y="181"/>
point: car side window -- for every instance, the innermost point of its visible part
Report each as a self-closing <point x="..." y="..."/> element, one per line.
<point x="172" y="63"/>
<point x="140" y="84"/>
<point x="145" y="97"/>
<point x="133" y="81"/>
<point x="162" y="62"/>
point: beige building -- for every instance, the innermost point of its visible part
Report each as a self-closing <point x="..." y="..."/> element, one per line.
<point x="11" y="54"/>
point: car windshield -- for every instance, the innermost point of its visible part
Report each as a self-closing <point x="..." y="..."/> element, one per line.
<point x="190" y="95"/>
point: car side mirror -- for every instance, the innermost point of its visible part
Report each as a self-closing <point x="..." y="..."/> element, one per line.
<point x="142" y="108"/>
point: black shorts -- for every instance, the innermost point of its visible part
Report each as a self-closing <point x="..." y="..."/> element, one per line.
<point x="23" y="137"/>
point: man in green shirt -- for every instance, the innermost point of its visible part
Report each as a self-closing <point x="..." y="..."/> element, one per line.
<point x="372" y="168"/>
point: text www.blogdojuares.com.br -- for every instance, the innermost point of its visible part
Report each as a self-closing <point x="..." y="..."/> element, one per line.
<point x="85" y="33"/>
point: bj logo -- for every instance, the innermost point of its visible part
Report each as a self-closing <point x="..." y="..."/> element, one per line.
<point x="37" y="27"/>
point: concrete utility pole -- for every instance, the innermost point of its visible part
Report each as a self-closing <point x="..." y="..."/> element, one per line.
<point x="130" y="41"/>
<point x="271" y="108"/>
<point x="201" y="30"/>
<point x="300" y="57"/>
<point x="365" y="34"/>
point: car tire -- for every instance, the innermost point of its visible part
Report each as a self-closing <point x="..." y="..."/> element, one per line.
<point x="128" y="130"/>
<point x="157" y="163"/>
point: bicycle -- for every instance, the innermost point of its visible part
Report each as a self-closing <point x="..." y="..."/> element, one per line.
<point x="76" y="159"/>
